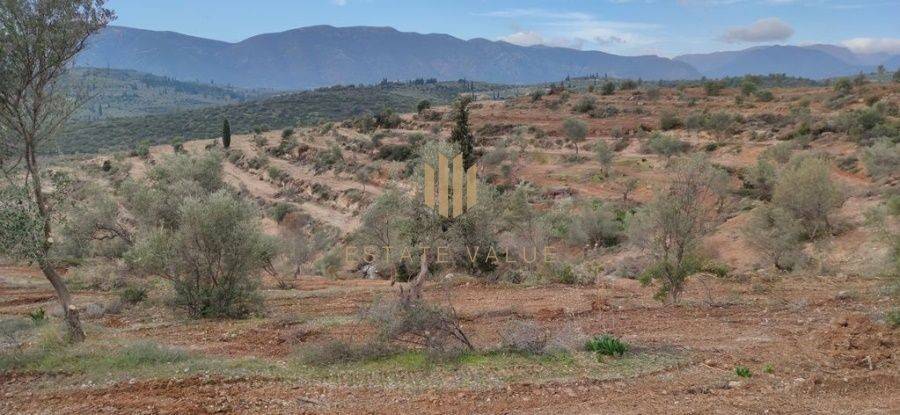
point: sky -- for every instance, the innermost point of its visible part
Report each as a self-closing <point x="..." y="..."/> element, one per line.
<point x="626" y="27"/>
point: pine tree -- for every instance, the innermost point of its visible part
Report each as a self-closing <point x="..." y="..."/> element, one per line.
<point x="226" y="134"/>
<point x="461" y="134"/>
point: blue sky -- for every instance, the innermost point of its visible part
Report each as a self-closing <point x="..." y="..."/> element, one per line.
<point x="628" y="27"/>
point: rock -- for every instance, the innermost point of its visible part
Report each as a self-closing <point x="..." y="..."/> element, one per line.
<point x="734" y="384"/>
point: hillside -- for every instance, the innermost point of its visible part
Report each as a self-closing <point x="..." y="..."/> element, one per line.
<point x="319" y="56"/>
<point x="814" y="62"/>
<point x="275" y="112"/>
<point x="127" y="93"/>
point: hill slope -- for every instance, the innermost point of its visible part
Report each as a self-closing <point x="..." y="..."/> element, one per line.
<point x="815" y="62"/>
<point x="276" y="112"/>
<point x="125" y="93"/>
<point x="318" y="56"/>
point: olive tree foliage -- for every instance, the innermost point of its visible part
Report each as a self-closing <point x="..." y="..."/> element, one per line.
<point x="38" y="41"/>
<point x="94" y="224"/>
<point x="155" y="201"/>
<point x="806" y="191"/>
<point x="670" y="227"/>
<point x="575" y="130"/>
<point x="605" y="155"/>
<point x="211" y="257"/>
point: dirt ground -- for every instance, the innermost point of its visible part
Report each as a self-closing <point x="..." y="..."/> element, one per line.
<point x="819" y="335"/>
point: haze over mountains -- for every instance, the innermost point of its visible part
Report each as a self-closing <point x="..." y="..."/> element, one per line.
<point x="319" y="56"/>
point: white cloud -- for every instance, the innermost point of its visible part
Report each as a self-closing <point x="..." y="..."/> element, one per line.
<point x="531" y="38"/>
<point x="873" y="45"/>
<point x="572" y="29"/>
<point x="764" y="30"/>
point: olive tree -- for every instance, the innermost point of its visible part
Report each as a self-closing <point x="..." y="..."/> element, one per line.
<point x="212" y="256"/>
<point x="38" y="41"/>
<point x="605" y="155"/>
<point x="575" y="130"/>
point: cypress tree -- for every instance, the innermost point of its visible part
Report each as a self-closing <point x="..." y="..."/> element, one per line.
<point x="226" y="134"/>
<point x="461" y="134"/>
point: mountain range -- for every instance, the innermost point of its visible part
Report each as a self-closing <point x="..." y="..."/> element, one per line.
<point x="318" y="56"/>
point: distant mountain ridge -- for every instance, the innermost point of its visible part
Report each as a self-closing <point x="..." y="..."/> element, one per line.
<point x="813" y="61"/>
<point x="318" y="56"/>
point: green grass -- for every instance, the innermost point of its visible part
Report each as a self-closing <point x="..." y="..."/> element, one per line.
<point x="606" y="345"/>
<point x="109" y="359"/>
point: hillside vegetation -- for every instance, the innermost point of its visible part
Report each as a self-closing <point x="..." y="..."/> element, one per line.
<point x="287" y="110"/>
<point x="125" y="93"/>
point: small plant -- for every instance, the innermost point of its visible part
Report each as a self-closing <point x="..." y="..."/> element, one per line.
<point x="768" y="368"/>
<point x="606" y="345"/>
<point x="38" y="316"/>
<point x="893" y="317"/>
<point x="743" y="371"/>
<point x="133" y="294"/>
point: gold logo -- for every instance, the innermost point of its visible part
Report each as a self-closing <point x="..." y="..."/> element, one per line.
<point x="443" y="186"/>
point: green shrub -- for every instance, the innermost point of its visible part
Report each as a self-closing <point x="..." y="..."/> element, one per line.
<point x="280" y="209"/>
<point x="38" y="316"/>
<point x="666" y="145"/>
<point x="668" y="121"/>
<point x="765" y="96"/>
<point x="882" y="159"/>
<point x="585" y="104"/>
<point x="423" y="105"/>
<point x="396" y="152"/>
<point x="606" y="345"/>
<point x="608" y="88"/>
<point x="133" y="294"/>
<point x="713" y="88"/>
<point x="339" y="352"/>
<point x="806" y="191"/>
<point x="211" y="258"/>
<point x="743" y="371"/>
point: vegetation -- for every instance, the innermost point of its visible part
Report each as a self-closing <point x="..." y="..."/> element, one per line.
<point x="38" y="44"/>
<point x="606" y="345"/>
<point x="460" y="135"/>
<point x="575" y="130"/>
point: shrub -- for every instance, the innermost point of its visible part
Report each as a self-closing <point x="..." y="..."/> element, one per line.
<point x="133" y="294"/>
<point x="842" y="86"/>
<point x="280" y="209"/>
<point x="536" y="95"/>
<point x="575" y="130"/>
<point x="765" y="96"/>
<point x="608" y="88"/>
<point x="277" y="175"/>
<point x="524" y="337"/>
<point x="882" y="159"/>
<point x="211" y="257"/>
<point x="38" y="316"/>
<point x="416" y="322"/>
<point x="606" y="345"/>
<point x="778" y="236"/>
<point x="806" y="191"/>
<point x="594" y="226"/>
<point x="142" y="150"/>
<point x="742" y="371"/>
<point x="387" y="119"/>
<point x="666" y="145"/>
<point x="585" y="104"/>
<point x="668" y="121"/>
<point x="423" y="105"/>
<point x="396" y="152"/>
<point x="713" y="88"/>
<point x="604" y="155"/>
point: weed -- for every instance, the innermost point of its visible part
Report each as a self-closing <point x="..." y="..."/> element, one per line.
<point x="38" y="316"/>
<point x="606" y="345"/>
<point x="743" y="371"/>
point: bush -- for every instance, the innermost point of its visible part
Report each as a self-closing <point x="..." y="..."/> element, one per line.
<point x="713" y="88"/>
<point x="38" y="316"/>
<point x="742" y="371"/>
<point x="585" y="104"/>
<point x="575" y="130"/>
<point x="668" y="121"/>
<point x="423" y="105"/>
<point x="765" y="96"/>
<point x="606" y="345"/>
<point x="608" y="88"/>
<point x="387" y="119"/>
<point x="280" y="209"/>
<point x="277" y="175"/>
<point x="211" y="257"/>
<point x="778" y="236"/>
<point x="666" y="146"/>
<point x="806" y="191"/>
<point x="396" y="152"/>
<point x="437" y="329"/>
<point x="524" y="337"/>
<point x="882" y="159"/>
<point x="133" y="294"/>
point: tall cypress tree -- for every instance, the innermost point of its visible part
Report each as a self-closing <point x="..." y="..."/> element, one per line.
<point x="461" y="134"/>
<point x="226" y="134"/>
